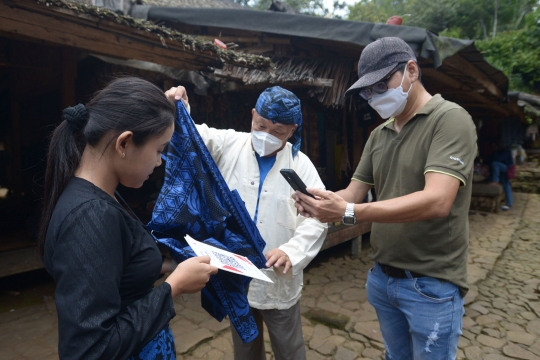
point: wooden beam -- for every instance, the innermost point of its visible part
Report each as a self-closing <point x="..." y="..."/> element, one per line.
<point x="104" y="43"/>
<point x="83" y="35"/>
<point x="530" y="110"/>
<point x="108" y="26"/>
<point x="460" y="64"/>
<point x="338" y="234"/>
<point x="440" y="78"/>
<point x="529" y="98"/>
<point x="19" y="261"/>
<point x="451" y="88"/>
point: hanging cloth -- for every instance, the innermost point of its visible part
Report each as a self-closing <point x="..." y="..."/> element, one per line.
<point x="196" y="201"/>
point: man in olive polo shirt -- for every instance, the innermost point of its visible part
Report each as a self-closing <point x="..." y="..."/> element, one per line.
<point x="420" y="163"/>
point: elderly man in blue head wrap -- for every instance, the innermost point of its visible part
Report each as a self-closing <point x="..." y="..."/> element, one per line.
<point x="250" y="163"/>
<point x="283" y="109"/>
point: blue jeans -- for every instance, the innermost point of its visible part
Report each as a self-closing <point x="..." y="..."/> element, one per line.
<point x="498" y="174"/>
<point x="420" y="318"/>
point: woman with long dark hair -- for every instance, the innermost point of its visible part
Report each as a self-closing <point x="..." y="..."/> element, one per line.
<point x="103" y="259"/>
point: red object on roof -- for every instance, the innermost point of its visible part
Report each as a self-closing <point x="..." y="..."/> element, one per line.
<point x="394" y="20"/>
<point x="220" y="44"/>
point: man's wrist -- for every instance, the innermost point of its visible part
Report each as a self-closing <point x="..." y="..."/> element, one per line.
<point x="349" y="217"/>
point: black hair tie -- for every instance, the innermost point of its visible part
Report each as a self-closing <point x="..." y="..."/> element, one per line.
<point x="76" y="116"/>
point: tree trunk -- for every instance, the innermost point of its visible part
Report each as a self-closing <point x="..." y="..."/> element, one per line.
<point x="516" y="26"/>
<point x="524" y="9"/>
<point x="484" y="30"/>
<point x="496" y="8"/>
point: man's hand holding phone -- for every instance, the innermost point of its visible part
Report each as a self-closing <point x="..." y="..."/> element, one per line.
<point x="294" y="180"/>
<point x="325" y="206"/>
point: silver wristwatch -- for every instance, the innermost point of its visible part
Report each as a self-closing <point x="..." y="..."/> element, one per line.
<point x="349" y="218"/>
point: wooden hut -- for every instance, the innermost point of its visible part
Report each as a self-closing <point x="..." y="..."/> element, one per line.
<point x="317" y="59"/>
<point x="54" y="54"/>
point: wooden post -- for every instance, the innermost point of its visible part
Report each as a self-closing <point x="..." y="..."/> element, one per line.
<point x="341" y="233"/>
<point x="355" y="244"/>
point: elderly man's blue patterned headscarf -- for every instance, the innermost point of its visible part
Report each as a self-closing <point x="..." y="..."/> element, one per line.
<point x="282" y="106"/>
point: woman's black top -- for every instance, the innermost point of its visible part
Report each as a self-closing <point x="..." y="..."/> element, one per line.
<point x="104" y="263"/>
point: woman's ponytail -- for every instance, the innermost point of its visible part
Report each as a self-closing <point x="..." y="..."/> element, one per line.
<point x="63" y="157"/>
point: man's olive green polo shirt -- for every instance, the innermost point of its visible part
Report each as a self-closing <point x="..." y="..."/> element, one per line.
<point x="441" y="138"/>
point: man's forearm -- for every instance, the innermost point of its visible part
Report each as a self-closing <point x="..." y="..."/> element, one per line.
<point x="347" y="195"/>
<point x="434" y="201"/>
<point x="418" y="206"/>
<point x="355" y="194"/>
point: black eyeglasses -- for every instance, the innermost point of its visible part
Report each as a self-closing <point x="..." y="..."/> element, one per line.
<point x="379" y="88"/>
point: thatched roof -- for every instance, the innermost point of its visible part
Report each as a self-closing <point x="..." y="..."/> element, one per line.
<point x="331" y="74"/>
<point x="83" y="23"/>
<point x="452" y="67"/>
<point x="218" y="4"/>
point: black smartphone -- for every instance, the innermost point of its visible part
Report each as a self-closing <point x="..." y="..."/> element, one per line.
<point x="294" y="180"/>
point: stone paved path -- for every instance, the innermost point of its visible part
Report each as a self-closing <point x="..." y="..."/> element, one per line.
<point x="502" y="318"/>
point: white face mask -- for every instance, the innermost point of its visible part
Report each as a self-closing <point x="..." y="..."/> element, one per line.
<point x="265" y="143"/>
<point x="390" y="103"/>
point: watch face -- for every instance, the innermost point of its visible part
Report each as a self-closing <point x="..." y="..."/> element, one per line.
<point x="349" y="220"/>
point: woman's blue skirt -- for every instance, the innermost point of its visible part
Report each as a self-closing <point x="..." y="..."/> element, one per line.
<point x="159" y="348"/>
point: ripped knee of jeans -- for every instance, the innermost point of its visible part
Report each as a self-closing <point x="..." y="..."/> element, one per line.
<point x="432" y="337"/>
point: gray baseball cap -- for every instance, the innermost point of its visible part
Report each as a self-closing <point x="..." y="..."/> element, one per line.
<point x="378" y="60"/>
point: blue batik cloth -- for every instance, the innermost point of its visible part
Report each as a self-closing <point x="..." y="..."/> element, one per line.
<point x="161" y="347"/>
<point x="196" y="201"/>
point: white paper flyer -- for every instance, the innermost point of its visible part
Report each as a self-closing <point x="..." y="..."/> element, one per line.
<point x="226" y="260"/>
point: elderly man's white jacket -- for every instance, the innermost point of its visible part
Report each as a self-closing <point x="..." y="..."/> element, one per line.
<point x="277" y="220"/>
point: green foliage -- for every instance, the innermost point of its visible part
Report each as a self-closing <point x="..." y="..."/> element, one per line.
<point x="433" y="15"/>
<point x="506" y="31"/>
<point x="366" y="10"/>
<point x="377" y="11"/>
<point x="472" y="19"/>
<point x="517" y="54"/>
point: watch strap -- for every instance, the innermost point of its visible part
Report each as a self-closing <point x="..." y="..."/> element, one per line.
<point x="349" y="210"/>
